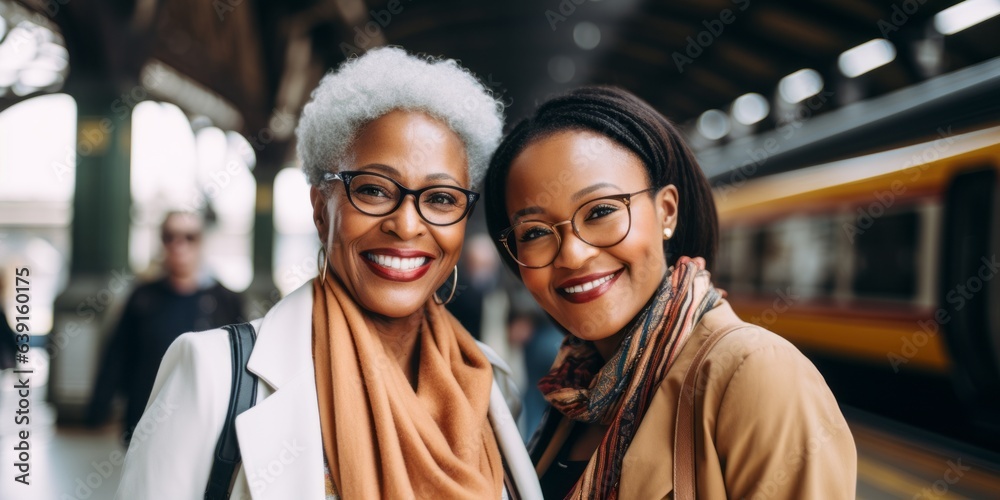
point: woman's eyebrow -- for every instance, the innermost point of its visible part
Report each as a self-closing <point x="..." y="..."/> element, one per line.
<point x="441" y="176"/>
<point x="384" y="168"/>
<point x="590" y="189"/>
<point x="526" y="211"/>
<point x="534" y="210"/>
<point x="397" y="174"/>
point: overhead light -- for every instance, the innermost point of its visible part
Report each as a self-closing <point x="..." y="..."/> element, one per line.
<point x="586" y="35"/>
<point x="18" y="48"/>
<point x="238" y="146"/>
<point x="866" y="57"/>
<point x="7" y="77"/>
<point x="713" y="124"/>
<point x="561" y="69"/>
<point x="22" y="89"/>
<point x="800" y="85"/>
<point x="750" y="108"/>
<point x="38" y="76"/>
<point x="54" y="51"/>
<point x="968" y="13"/>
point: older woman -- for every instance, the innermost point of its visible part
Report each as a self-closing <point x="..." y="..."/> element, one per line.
<point x="659" y="391"/>
<point x="369" y="388"/>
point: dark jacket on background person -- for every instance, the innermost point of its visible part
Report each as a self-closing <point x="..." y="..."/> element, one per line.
<point x="8" y="343"/>
<point x="154" y="316"/>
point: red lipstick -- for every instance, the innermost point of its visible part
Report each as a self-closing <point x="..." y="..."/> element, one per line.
<point x="382" y="265"/>
<point x="588" y="295"/>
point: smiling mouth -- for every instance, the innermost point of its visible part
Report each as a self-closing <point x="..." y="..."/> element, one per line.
<point x="409" y="266"/>
<point x="396" y="263"/>
<point x="587" y="291"/>
<point x="590" y="285"/>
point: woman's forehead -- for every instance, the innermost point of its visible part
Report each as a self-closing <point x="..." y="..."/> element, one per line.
<point x="565" y="163"/>
<point x="413" y="145"/>
<point x="568" y="166"/>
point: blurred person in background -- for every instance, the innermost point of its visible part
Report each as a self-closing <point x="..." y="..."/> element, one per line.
<point x="619" y="257"/>
<point x="368" y="387"/>
<point x="531" y="329"/>
<point x="497" y="310"/>
<point x="480" y="267"/>
<point x="184" y="299"/>
<point x="484" y="303"/>
<point x="8" y="342"/>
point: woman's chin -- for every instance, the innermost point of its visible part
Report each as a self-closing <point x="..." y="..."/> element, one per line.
<point x="597" y="330"/>
<point x="394" y="305"/>
<point x="591" y="336"/>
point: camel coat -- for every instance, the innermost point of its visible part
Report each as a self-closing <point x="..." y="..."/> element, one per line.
<point x="767" y="425"/>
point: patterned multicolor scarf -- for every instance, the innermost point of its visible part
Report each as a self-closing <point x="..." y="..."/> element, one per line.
<point x="582" y="386"/>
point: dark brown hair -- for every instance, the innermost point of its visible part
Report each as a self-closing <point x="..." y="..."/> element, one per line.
<point x="634" y="124"/>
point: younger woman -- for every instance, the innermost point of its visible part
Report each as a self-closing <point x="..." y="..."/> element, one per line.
<point x="603" y="212"/>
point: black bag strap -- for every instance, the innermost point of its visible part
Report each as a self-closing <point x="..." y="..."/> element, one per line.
<point x="242" y="397"/>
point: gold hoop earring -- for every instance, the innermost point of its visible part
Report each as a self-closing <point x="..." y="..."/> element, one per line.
<point x="454" y="286"/>
<point x="323" y="263"/>
<point x="667" y="233"/>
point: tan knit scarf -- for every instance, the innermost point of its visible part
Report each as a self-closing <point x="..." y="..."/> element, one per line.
<point x="381" y="438"/>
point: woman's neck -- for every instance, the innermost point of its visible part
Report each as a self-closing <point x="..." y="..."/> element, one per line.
<point x="606" y="347"/>
<point x="400" y="337"/>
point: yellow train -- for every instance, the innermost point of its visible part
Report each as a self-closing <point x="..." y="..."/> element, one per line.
<point x="889" y="258"/>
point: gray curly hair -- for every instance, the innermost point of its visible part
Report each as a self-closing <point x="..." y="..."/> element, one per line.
<point x="386" y="79"/>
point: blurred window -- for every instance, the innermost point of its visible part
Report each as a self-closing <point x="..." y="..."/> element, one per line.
<point x="738" y="264"/>
<point x="37" y="180"/>
<point x="296" y="242"/>
<point x="723" y="276"/>
<point x="798" y="253"/>
<point x="885" y="263"/>
<point x="176" y="167"/>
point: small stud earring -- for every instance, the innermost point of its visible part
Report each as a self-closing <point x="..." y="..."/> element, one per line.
<point x="667" y="233"/>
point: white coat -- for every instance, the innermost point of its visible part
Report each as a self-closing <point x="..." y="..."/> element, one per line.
<point x="173" y="446"/>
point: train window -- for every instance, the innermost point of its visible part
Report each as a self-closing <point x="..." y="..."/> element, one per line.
<point x="756" y="254"/>
<point x="885" y="263"/>
<point x="966" y="290"/>
<point x="723" y="275"/>
<point x="798" y="256"/>
<point x="738" y="267"/>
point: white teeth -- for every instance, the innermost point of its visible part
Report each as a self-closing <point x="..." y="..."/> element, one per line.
<point x="589" y="285"/>
<point x="397" y="263"/>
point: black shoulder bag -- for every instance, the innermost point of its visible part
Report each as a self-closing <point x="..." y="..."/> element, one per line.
<point x="242" y="397"/>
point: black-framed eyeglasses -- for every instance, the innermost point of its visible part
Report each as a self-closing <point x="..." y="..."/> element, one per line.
<point x="602" y="222"/>
<point x="378" y="196"/>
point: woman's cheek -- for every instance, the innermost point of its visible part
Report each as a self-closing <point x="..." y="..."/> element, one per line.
<point x="537" y="281"/>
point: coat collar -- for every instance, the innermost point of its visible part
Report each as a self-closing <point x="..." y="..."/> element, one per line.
<point x="286" y="461"/>
<point x="280" y="437"/>
<point x="281" y="344"/>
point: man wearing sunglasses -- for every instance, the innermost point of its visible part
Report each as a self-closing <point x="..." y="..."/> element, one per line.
<point x="184" y="299"/>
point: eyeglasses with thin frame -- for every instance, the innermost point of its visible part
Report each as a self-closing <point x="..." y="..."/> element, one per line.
<point x="602" y="222"/>
<point x="378" y="195"/>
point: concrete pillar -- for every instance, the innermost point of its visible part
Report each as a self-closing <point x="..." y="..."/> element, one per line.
<point x="262" y="293"/>
<point x="100" y="278"/>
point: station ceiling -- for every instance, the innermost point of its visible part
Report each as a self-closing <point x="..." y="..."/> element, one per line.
<point x="683" y="56"/>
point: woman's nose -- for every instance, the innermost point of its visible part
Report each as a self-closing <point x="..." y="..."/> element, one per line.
<point x="405" y="222"/>
<point x="574" y="252"/>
